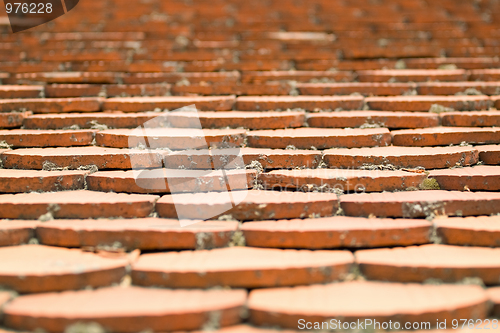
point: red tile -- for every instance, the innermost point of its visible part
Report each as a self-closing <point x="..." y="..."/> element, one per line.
<point x="336" y="232"/>
<point x="405" y="157"/>
<point x="131" y="309"/>
<point x="478" y="178"/>
<point x="494" y="295"/>
<point x="412" y="75"/>
<point x="47" y="138"/>
<point x="341" y="179"/>
<point x="320" y="138"/>
<point x="421" y="203"/>
<point x="171" y="181"/>
<point x="424" y="103"/>
<point x="15" y="181"/>
<point x="496" y="101"/>
<point x="193" y="77"/>
<point x="447" y="263"/>
<point x="269" y="88"/>
<point x="144" y="234"/>
<point x="82" y="90"/>
<point x="268" y="158"/>
<point x="489" y="154"/>
<point x="465" y="62"/>
<point x="235" y="119"/>
<point x="17" y="91"/>
<point x="452" y="88"/>
<point x="492" y="74"/>
<point x="89" y="120"/>
<point x="13" y="119"/>
<point x="300" y="76"/>
<point x="310" y="103"/>
<point x="64" y="90"/>
<point x="389" y="119"/>
<point x="470" y="119"/>
<point x="240" y="267"/>
<point x="67" y="77"/>
<point x="444" y="136"/>
<point x="136" y="104"/>
<point x="51" y="105"/>
<point x="284" y="307"/>
<point x="363" y="88"/>
<point x="172" y="138"/>
<point x="252" y="205"/>
<point x="73" y="158"/>
<point x="39" y="268"/>
<point x="469" y="231"/>
<point x="16" y="232"/>
<point x="75" y="204"/>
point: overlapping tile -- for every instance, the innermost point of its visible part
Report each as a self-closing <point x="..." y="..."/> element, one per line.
<point x="75" y="204"/>
<point x="284" y="307"/>
<point x="240" y="267"/>
<point x="403" y="157"/>
<point x="253" y="205"/>
<point x="51" y="105"/>
<point x="138" y="104"/>
<point x="478" y="178"/>
<point x="91" y="120"/>
<point x="171" y="181"/>
<point x="21" y="138"/>
<point x="267" y="158"/>
<point x="319" y="138"/>
<point x="390" y="119"/>
<point x="470" y="119"/>
<point x="16" y="232"/>
<point x="444" y="136"/>
<point x="489" y="154"/>
<point x="447" y="263"/>
<point x="336" y="232"/>
<point x="172" y="138"/>
<point x="139" y="233"/>
<point x="342" y="179"/>
<point x="424" y="103"/>
<point x="469" y="231"/>
<point x="131" y="309"/>
<point x="235" y="119"/>
<point x="421" y="203"/>
<point x="16" y="181"/>
<point x="38" y="268"/>
<point x="74" y="158"/>
<point x="310" y="103"/>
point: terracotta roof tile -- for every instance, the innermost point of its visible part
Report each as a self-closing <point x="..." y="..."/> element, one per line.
<point x="381" y="301"/>
<point x="336" y="232"/>
<point x="447" y="263"/>
<point x="240" y="267"/>
<point x="38" y="268"/>
<point x="129" y="234"/>
<point x="130" y="309"/>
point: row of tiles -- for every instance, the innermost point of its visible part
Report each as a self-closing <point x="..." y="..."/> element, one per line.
<point x="252" y="120"/>
<point x="137" y="309"/>
<point x="376" y="158"/>
<point x="478" y="178"/>
<point x="298" y="138"/>
<point x="251" y="103"/>
<point x="247" y="205"/>
<point x="278" y="64"/>
<point x="47" y="268"/>
<point x="336" y="232"/>
<point x="260" y="88"/>
<point x="256" y="73"/>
